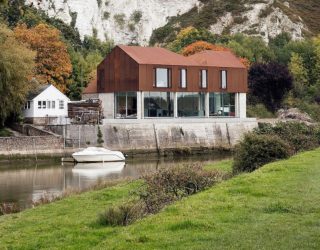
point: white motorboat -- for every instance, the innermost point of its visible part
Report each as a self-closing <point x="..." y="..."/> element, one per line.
<point x="94" y="154"/>
<point x="96" y="170"/>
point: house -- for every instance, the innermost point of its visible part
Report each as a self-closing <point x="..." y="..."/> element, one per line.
<point x="46" y="105"/>
<point x="143" y="82"/>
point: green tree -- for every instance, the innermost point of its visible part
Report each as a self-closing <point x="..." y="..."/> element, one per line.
<point x="100" y="141"/>
<point x="16" y="69"/>
<point x="300" y="75"/>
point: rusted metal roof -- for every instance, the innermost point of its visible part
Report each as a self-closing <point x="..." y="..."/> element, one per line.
<point x="223" y="59"/>
<point x="92" y="87"/>
<point x="156" y="55"/>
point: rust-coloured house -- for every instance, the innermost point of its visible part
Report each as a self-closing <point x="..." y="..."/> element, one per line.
<point x="144" y="82"/>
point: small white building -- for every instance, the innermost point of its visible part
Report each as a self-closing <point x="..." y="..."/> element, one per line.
<point x="46" y="105"/>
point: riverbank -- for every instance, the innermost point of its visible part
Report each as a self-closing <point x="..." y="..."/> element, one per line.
<point x="275" y="207"/>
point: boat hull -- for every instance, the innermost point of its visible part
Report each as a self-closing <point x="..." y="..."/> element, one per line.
<point x="111" y="156"/>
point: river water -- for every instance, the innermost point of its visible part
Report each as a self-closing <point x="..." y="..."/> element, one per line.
<point x="24" y="182"/>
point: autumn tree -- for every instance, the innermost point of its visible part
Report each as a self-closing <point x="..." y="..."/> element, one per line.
<point x="199" y="46"/>
<point x="16" y="69"/>
<point x="53" y="63"/>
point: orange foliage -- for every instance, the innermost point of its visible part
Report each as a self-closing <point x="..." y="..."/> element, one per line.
<point x="245" y="62"/>
<point x="53" y="63"/>
<point x="199" y="46"/>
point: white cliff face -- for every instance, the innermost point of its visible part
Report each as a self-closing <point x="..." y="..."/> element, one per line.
<point x="274" y="22"/>
<point x="124" y="21"/>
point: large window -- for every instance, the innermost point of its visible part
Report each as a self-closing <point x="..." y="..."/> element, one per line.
<point x="126" y="105"/>
<point x="158" y="104"/>
<point x="222" y="104"/>
<point x="191" y="104"/>
<point x="183" y="78"/>
<point x="204" y="78"/>
<point x="223" y="79"/>
<point x="162" y="78"/>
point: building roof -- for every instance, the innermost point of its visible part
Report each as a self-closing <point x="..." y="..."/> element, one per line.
<point x="37" y="91"/>
<point x="223" y="59"/>
<point x="156" y="55"/>
<point x="92" y="87"/>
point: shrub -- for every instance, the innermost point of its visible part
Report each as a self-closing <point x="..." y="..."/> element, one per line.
<point x="257" y="150"/>
<point x="299" y="136"/>
<point x="9" y="208"/>
<point x="171" y="184"/>
<point x="122" y="215"/>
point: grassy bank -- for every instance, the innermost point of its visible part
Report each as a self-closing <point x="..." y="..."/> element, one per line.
<point x="276" y="207"/>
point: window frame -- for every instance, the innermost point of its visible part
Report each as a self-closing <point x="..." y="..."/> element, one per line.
<point x="222" y="85"/>
<point x="169" y="77"/>
<point x="61" y="104"/>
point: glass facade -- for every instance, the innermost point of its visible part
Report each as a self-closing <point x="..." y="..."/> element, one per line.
<point x="158" y="104"/>
<point x="126" y="105"/>
<point x="222" y="104"/>
<point x="191" y="104"/>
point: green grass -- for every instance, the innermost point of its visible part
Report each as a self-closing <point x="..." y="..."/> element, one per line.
<point x="5" y="132"/>
<point x="276" y="207"/>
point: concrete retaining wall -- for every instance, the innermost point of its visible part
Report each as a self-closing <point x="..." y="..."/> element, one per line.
<point x="31" y="145"/>
<point x="161" y="135"/>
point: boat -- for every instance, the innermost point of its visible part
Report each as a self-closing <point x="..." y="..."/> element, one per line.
<point x="95" y="154"/>
<point x="96" y="170"/>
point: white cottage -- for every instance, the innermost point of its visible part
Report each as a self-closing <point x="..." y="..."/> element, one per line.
<point x="46" y="105"/>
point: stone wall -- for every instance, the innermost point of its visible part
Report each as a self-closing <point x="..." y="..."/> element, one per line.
<point x="30" y="130"/>
<point x="31" y="145"/>
<point x="161" y="135"/>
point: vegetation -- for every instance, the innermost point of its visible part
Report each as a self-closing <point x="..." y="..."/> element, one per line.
<point x="53" y="63"/>
<point x="255" y="151"/>
<point x="5" y="132"/>
<point x="100" y="140"/>
<point x="16" y="70"/>
<point x="277" y="201"/>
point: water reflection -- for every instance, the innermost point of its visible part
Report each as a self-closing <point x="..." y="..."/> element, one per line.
<point x="24" y="182"/>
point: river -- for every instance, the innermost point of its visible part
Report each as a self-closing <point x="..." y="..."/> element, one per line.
<point x="24" y="182"/>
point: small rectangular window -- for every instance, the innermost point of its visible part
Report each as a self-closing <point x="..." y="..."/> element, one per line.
<point x="39" y="104"/>
<point x="53" y="104"/>
<point x="183" y="78"/>
<point x="49" y="104"/>
<point x="223" y="79"/>
<point x="204" y="78"/>
<point x="61" y="104"/>
<point x="162" y="78"/>
<point x="44" y="104"/>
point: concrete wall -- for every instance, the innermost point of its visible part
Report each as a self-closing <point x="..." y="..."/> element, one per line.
<point x="160" y="135"/>
<point x="31" y="145"/>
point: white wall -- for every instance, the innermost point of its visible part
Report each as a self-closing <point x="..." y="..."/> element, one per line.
<point x="49" y="94"/>
<point x="107" y="100"/>
<point x="242" y="105"/>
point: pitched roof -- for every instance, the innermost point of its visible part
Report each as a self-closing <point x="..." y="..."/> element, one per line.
<point x="37" y="91"/>
<point x="223" y="59"/>
<point x="155" y="55"/>
<point x="92" y="87"/>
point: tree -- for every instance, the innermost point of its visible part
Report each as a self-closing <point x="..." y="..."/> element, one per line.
<point x="300" y="75"/>
<point x="53" y="63"/>
<point x="201" y="46"/>
<point x="16" y="68"/>
<point x="268" y="84"/>
<point x="190" y="35"/>
<point x="100" y="141"/>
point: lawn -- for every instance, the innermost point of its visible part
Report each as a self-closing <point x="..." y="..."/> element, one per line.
<point x="276" y="207"/>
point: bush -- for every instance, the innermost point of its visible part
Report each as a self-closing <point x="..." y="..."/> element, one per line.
<point x="299" y="136"/>
<point x="257" y="150"/>
<point x="160" y="189"/>
<point x="122" y="215"/>
<point x="171" y="184"/>
<point x="9" y="208"/>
